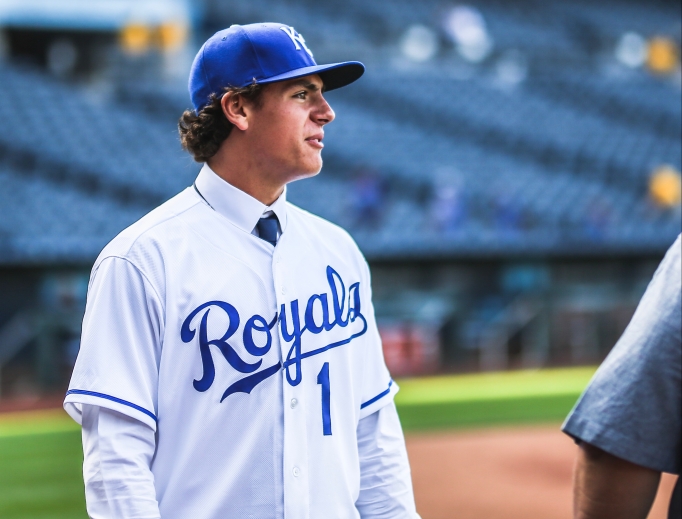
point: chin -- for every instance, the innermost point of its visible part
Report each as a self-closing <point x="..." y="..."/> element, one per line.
<point x="304" y="172"/>
<point x="309" y="173"/>
<point x="305" y="167"/>
<point x="312" y="169"/>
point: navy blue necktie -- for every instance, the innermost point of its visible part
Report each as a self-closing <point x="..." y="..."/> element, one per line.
<point x="268" y="228"/>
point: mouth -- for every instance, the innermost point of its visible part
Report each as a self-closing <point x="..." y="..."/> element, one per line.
<point x="316" y="140"/>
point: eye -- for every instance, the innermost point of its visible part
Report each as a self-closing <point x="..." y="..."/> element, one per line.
<point x="301" y="95"/>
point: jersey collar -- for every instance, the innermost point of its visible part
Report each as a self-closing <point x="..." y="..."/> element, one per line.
<point x="240" y="208"/>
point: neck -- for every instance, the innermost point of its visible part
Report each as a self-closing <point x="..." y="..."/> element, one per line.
<point x="246" y="172"/>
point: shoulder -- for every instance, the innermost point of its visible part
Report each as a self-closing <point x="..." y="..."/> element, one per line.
<point x="324" y="232"/>
<point x="669" y="273"/>
<point x="143" y="241"/>
<point x="661" y="303"/>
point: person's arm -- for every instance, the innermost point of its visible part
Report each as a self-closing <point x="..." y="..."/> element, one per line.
<point x="116" y="468"/>
<point x="607" y="487"/>
<point x="385" y="481"/>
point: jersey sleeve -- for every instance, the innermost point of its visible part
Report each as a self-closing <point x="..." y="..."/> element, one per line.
<point x="378" y="388"/>
<point x="631" y="408"/>
<point x="117" y="365"/>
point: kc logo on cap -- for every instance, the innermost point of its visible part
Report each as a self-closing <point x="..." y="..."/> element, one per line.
<point x="296" y="39"/>
<point x="259" y="53"/>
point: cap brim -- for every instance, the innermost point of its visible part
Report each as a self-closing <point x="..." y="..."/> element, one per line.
<point x="334" y="75"/>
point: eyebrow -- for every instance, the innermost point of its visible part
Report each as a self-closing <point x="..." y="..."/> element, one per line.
<point x="305" y="84"/>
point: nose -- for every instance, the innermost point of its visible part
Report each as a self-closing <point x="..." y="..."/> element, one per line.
<point x="324" y="113"/>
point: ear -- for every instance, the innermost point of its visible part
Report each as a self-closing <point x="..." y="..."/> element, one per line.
<point x="234" y="108"/>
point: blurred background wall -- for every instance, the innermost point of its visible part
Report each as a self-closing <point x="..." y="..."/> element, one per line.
<point x="510" y="169"/>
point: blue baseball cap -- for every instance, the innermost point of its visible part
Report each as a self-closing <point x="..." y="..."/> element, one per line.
<point x="259" y="53"/>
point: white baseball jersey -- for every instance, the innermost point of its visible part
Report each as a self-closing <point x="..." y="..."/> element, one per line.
<point x="209" y="335"/>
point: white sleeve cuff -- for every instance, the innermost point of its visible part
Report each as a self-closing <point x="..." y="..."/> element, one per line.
<point x="76" y="397"/>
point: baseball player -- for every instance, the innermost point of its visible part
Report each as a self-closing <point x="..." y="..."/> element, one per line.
<point x="230" y="364"/>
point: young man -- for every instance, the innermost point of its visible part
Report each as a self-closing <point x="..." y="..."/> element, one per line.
<point x="230" y="364"/>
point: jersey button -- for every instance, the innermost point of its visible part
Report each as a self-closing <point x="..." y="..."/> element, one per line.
<point x="296" y="472"/>
<point x="294" y="403"/>
<point x="283" y="290"/>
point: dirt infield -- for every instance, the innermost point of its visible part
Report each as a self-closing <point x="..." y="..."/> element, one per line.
<point x="511" y="473"/>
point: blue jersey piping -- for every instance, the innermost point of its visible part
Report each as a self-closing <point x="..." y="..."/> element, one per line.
<point x="113" y="399"/>
<point x="379" y="396"/>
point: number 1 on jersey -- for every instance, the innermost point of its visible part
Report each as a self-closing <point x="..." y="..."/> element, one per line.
<point x="323" y="380"/>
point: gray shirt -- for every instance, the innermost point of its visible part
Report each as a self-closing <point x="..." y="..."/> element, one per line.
<point x="632" y="408"/>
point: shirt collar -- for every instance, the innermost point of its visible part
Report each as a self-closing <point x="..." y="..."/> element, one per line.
<point x="234" y="204"/>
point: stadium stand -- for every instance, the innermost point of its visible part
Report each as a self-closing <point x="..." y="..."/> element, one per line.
<point x="641" y="103"/>
<point x="90" y="141"/>
<point x="75" y="170"/>
<point x="44" y="222"/>
<point x="460" y="166"/>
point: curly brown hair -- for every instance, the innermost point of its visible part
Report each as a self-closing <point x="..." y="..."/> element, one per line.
<point x="201" y="134"/>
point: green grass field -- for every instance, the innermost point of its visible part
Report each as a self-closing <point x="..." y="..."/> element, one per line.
<point x="41" y="455"/>
<point x="490" y="399"/>
<point x="40" y="467"/>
